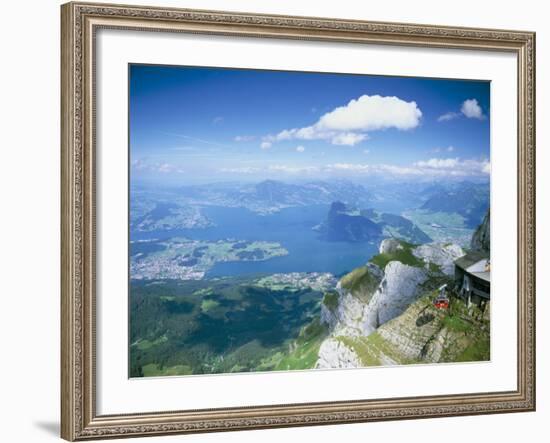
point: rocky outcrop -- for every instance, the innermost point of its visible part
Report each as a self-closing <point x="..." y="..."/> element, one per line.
<point x="481" y="240"/>
<point x="360" y="309"/>
<point x="389" y="246"/>
<point x="413" y="330"/>
<point x="396" y="292"/>
<point x="443" y="255"/>
<point x="385" y="316"/>
<point x="334" y="354"/>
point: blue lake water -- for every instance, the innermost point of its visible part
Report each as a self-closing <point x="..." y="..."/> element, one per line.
<point x="291" y="227"/>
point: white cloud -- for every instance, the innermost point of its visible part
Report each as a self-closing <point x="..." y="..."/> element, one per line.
<point x="293" y="169"/>
<point x="244" y="170"/>
<point x="155" y="167"/>
<point x="244" y="138"/>
<point x="471" y="109"/>
<point x="359" y="168"/>
<point x="217" y="120"/>
<point x="448" y="116"/>
<point x="348" y="138"/>
<point x="366" y="151"/>
<point x="450" y="148"/>
<point x="300" y="148"/>
<point x="437" y="163"/>
<point x="353" y="167"/>
<point x="372" y="113"/>
<point x="265" y="145"/>
<point x="348" y="125"/>
<point x="432" y="167"/>
<point x="454" y="166"/>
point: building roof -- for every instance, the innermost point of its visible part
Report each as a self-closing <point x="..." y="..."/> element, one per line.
<point x="471" y="258"/>
<point x="483" y="276"/>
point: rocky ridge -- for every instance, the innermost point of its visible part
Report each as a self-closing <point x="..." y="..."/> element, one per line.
<point x="381" y="313"/>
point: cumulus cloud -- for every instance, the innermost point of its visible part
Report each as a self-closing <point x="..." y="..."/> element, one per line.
<point x="348" y="138"/>
<point x="265" y="145"/>
<point x="300" y="148"/>
<point x="348" y="125"/>
<point x="471" y="109"/>
<point x="372" y="113"/>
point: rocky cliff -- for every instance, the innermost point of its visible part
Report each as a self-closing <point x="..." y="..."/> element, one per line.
<point x="481" y="240"/>
<point x="382" y="313"/>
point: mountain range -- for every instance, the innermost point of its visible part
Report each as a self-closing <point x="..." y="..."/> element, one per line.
<point x="271" y="195"/>
<point x="470" y="200"/>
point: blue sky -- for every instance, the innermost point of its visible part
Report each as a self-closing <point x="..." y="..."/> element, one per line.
<point x="190" y="124"/>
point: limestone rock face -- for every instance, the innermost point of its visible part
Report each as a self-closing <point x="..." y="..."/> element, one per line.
<point x="481" y="240"/>
<point x="334" y="354"/>
<point x="395" y="293"/>
<point x="389" y="245"/>
<point x="441" y="254"/>
<point x="328" y="316"/>
<point x="360" y="314"/>
<point x="348" y="317"/>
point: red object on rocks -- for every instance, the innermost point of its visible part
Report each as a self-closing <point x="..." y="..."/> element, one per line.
<point x="441" y="303"/>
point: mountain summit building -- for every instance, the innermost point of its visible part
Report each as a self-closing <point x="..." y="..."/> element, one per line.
<point x="473" y="277"/>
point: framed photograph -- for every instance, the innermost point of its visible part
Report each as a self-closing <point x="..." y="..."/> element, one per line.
<point x="283" y="221"/>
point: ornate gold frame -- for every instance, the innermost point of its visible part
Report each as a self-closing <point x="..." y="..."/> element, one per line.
<point x="79" y="22"/>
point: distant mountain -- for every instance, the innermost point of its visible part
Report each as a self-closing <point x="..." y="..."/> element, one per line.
<point x="397" y="226"/>
<point x="347" y="224"/>
<point x="470" y="200"/>
<point x="271" y="196"/>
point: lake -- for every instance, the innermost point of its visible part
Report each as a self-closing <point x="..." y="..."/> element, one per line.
<point x="291" y="227"/>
